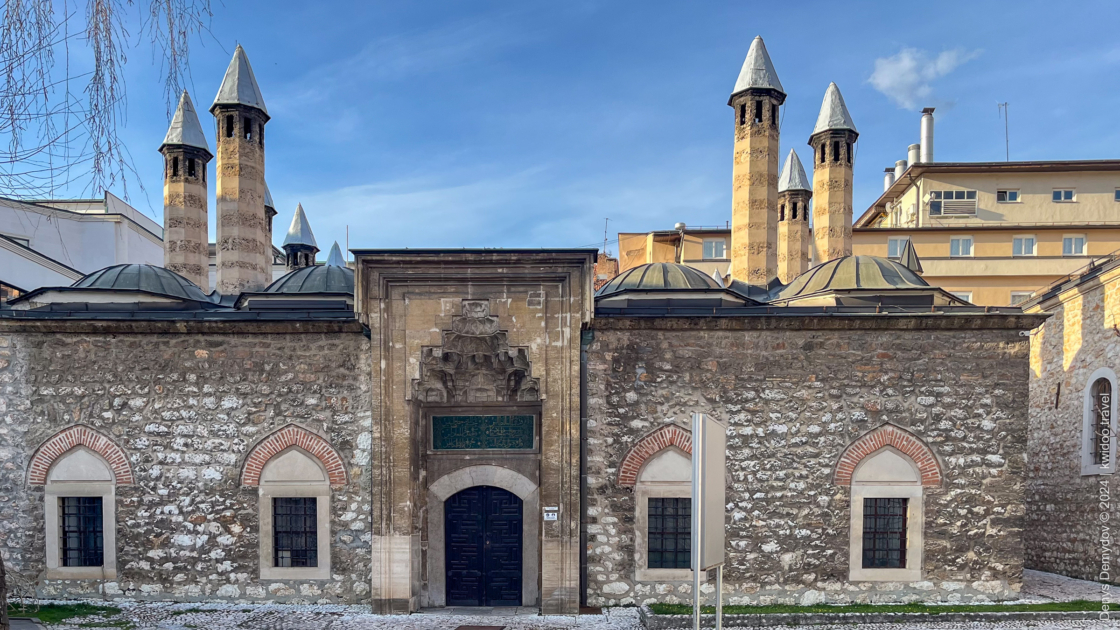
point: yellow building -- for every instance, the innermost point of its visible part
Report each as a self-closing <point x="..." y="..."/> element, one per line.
<point x="994" y="232"/>
<point x="705" y="248"/>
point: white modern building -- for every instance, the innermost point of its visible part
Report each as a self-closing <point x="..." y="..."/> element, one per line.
<point x="55" y="242"/>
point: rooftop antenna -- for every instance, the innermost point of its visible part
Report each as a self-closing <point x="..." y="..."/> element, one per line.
<point x="606" y="222"/>
<point x="1002" y="109"/>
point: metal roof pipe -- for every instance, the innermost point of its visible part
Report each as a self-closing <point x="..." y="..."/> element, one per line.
<point x="926" y="152"/>
<point x="913" y="153"/>
<point x="888" y="179"/>
<point x="899" y="169"/>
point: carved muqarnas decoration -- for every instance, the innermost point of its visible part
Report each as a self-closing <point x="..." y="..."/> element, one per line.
<point x="475" y="363"/>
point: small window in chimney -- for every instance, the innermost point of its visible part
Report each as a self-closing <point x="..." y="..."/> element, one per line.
<point x="758" y="111"/>
<point x="247" y="125"/>
<point x="822" y="152"/>
<point x="835" y="150"/>
<point x="260" y="134"/>
<point x="782" y="212"/>
<point x="190" y="167"/>
<point x="229" y="126"/>
<point x="174" y="167"/>
<point x="849" y="148"/>
<point x="204" y="173"/>
<point x="774" y="114"/>
<point x="742" y="113"/>
<point x="794" y="217"/>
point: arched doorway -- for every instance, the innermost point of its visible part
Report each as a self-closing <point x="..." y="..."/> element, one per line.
<point x="483" y="536"/>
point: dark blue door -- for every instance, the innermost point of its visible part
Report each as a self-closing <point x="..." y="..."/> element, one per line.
<point x="482" y="529"/>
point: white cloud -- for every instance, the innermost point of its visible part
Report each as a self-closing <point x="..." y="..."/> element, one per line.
<point x="906" y="77"/>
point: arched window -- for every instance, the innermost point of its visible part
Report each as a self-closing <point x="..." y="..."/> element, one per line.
<point x="80" y="512"/>
<point x="663" y="519"/>
<point x="1098" y="432"/>
<point x="295" y="517"/>
<point x="886" y="519"/>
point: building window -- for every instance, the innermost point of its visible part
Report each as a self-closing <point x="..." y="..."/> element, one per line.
<point x="758" y="111"/>
<point x="663" y="522"/>
<point x="1073" y="245"/>
<point x="229" y="126"/>
<point x="1007" y="196"/>
<point x="963" y="295"/>
<point x="960" y="246"/>
<point x="80" y="517"/>
<point x="714" y="248"/>
<point x="1023" y="246"/>
<point x="1098" y="428"/>
<point x="1064" y="195"/>
<point x="1116" y="195"/>
<point x="795" y="209"/>
<point x="82" y="542"/>
<point x="742" y="113"/>
<point x="669" y="533"/>
<point x="190" y="167"/>
<point x="886" y="519"/>
<point x="895" y="245"/>
<point x="294" y="507"/>
<point x="782" y="212"/>
<point x="294" y="532"/>
<point x="1018" y="297"/>
<point x="848" y="155"/>
<point x="821" y="154"/>
<point x="884" y="533"/>
<point x="175" y="167"/>
<point x="952" y="202"/>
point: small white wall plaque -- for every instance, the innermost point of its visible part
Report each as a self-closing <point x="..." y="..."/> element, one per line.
<point x="551" y="513"/>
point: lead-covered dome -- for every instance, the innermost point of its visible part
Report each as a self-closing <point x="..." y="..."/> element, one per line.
<point x="659" y="276"/>
<point x="145" y="278"/>
<point x="861" y="280"/>
<point x="315" y="279"/>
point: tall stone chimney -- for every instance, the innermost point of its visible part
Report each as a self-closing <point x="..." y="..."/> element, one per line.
<point x="185" y="156"/>
<point x="755" y="100"/>
<point x="794" y="193"/>
<point x="244" y="247"/>
<point x="833" y="139"/>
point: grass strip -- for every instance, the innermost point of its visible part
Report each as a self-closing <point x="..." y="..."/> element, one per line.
<point x="932" y="609"/>
<point x="57" y="613"/>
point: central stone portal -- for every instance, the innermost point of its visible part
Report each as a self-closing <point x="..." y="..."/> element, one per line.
<point x="483" y="533"/>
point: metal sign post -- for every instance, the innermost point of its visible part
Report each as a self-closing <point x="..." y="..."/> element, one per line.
<point x="709" y="492"/>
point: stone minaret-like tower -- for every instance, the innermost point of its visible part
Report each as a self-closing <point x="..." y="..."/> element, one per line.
<point x="185" y="155"/>
<point x="244" y="248"/>
<point x="299" y="245"/>
<point x="754" y="177"/>
<point x="794" y="193"/>
<point x="833" y="140"/>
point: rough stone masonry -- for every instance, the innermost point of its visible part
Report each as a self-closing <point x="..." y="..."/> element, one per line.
<point x="793" y="400"/>
<point x="186" y="401"/>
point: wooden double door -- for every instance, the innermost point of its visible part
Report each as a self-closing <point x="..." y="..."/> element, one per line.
<point x="482" y="531"/>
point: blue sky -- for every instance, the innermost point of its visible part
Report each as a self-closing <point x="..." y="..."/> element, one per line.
<point x="525" y="124"/>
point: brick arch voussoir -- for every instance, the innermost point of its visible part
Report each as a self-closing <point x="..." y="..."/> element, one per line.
<point x="70" y="438"/>
<point x="647" y="447"/>
<point x="889" y="435"/>
<point x="284" y="438"/>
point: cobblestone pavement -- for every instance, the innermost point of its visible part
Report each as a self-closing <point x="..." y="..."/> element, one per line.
<point x="161" y="616"/>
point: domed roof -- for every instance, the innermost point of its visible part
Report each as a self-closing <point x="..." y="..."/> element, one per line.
<point x="861" y="275"/>
<point x="147" y="278"/>
<point x="315" y="279"/>
<point x="659" y="277"/>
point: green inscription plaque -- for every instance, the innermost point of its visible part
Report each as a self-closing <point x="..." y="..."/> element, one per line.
<point x="456" y="433"/>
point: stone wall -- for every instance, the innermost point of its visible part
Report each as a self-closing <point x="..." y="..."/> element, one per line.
<point x="186" y="407"/>
<point x="1064" y="521"/>
<point x="794" y="399"/>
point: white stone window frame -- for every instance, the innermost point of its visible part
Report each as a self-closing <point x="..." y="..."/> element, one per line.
<point x="295" y="488"/>
<point x="1022" y="295"/>
<point x="81" y="481"/>
<point x="1088" y="468"/>
<point x="644" y="490"/>
<point x="915" y="520"/>
<point x="1084" y="251"/>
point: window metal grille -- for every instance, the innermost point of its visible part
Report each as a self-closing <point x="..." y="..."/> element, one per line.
<point x="952" y="202"/>
<point x="82" y="536"/>
<point x="295" y="537"/>
<point x="1102" y="421"/>
<point x="670" y="533"/>
<point x="884" y="533"/>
